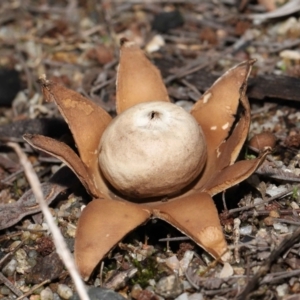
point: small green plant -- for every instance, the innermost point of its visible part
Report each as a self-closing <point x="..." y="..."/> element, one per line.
<point x="147" y="269"/>
<point x="295" y="193"/>
<point x="249" y="156"/>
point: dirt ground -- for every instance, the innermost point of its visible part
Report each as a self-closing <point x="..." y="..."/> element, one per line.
<point x="76" y="43"/>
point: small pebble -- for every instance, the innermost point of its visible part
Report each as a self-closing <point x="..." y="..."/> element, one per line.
<point x="262" y="234"/>
<point x="226" y="271"/>
<point x="293" y="280"/>
<point x="31" y="262"/>
<point x="147" y="294"/>
<point x="64" y="291"/>
<point x="290" y="54"/>
<point x="282" y="228"/>
<point x="169" y="287"/>
<point x="25" y="236"/>
<point x="274" y="214"/>
<point x="186" y="285"/>
<point x="246" y="230"/>
<point x="287" y="26"/>
<point x="13" y="245"/>
<point x="25" y="288"/>
<point x="262" y="255"/>
<point x="62" y="214"/>
<point x="147" y="251"/>
<point x="4" y="291"/>
<point x="46" y="294"/>
<point x="155" y="44"/>
<point x="295" y="288"/>
<point x="65" y="206"/>
<point x="183" y="296"/>
<point x="22" y="259"/>
<point x="152" y="283"/>
<point x="239" y="270"/>
<point x="119" y="280"/>
<point x="272" y="190"/>
<point x="135" y="291"/>
<point x="185" y="261"/>
<point x="282" y="290"/>
<point x="150" y="288"/>
<point x="294" y="205"/>
<point x="101" y="294"/>
<point x="71" y="230"/>
<point x="37" y="234"/>
<point x="196" y="296"/>
<point x="38" y="290"/>
<point x="48" y="267"/>
<point x="257" y="201"/>
<point x="10" y="268"/>
<point x="269" y="221"/>
<point x="56" y="297"/>
<point x="21" y="182"/>
<point x="20" y="284"/>
<point x="173" y="263"/>
<point x="32" y="254"/>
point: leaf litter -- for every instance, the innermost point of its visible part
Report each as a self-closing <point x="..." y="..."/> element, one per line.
<point x="76" y="44"/>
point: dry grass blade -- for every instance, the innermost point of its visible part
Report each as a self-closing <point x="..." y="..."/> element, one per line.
<point x="59" y="241"/>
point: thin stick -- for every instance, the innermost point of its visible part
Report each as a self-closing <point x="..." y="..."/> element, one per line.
<point x="33" y="289"/>
<point x="280" y="195"/>
<point x="172" y="239"/>
<point x="101" y="273"/>
<point x="60" y="244"/>
<point x="8" y="284"/>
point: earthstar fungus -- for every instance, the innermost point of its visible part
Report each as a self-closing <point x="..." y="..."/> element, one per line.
<point x="223" y="116"/>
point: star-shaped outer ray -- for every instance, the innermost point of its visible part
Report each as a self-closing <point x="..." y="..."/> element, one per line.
<point x="223" y="113"/>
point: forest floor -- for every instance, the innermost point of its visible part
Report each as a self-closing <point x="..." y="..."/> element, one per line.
<point x="76" y="43"/>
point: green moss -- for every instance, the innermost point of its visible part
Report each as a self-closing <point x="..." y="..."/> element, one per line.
<point x="147" y="269"/>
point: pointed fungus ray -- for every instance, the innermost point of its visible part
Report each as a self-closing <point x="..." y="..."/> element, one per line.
<point x="103" y="223"/>
<point x="216" y="113"/>
<point x="65" y="154"/>
<point x="197" y="217"/>
<point x="138" y="80"/>
<point x="82" y="116"/>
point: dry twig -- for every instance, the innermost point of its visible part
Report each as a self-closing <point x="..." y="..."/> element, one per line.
<point x="278" y="196"/>
<point x="11" y="286"/>
<point x="33" y="289"/>
<point x="60" y="244"/>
